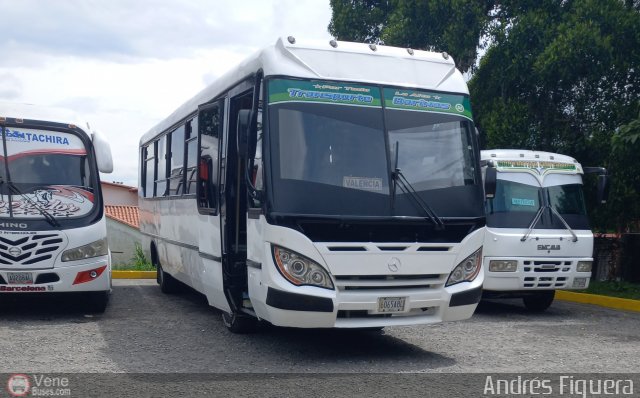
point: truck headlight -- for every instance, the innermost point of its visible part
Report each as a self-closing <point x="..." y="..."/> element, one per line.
<point x="467" y="270"/>
<point x="584" y="266"/>
<point x="503" y="265"/>
<point x="93" y="249"/>
<point x="299" y="269"/>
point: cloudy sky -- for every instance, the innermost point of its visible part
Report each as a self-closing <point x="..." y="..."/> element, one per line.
<point x="125" y="65"/>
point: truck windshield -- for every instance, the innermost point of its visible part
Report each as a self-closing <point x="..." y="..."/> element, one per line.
<point x="45" y="169"/>
<point x="516" y="203"/>
<point x="333" y="151"/>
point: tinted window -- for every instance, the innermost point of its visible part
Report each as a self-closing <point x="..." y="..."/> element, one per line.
<point x="150" y="171"/>
<point x="192" y="156"/>
<point x="176" y="176"/>
<point x="567" y="199"/>
<point x="161" y="179"/>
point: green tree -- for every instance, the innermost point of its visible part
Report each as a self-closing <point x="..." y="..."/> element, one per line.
<point x="555" y="75"/>
<point x="454" y="26"/>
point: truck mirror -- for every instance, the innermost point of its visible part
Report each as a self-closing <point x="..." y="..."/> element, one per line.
<point x="102" y="149"/>
<point x="242" y="138"/>
<point x="603" y="188"/>
<point x="490" y="181"/>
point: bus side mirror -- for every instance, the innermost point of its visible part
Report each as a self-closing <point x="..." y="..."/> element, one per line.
<point x="603" y="188"/>
<point x="102" y="149"/>
<point x="603" y="182"/>
<point x="490" y="181"/>
<point x="244" y="120"/>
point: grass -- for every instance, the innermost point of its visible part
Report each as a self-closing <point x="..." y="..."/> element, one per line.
<point x="139" y="262"/>
<point x="614" y="289"/>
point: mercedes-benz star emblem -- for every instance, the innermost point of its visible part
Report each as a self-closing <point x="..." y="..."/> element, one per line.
<point x="394" y="264"/>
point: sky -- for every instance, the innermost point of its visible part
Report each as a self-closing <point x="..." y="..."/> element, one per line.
<point x="125" y="65"/>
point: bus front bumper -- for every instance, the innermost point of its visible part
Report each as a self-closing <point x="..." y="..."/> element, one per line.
<point x="360" y="309"/>
<point x="78" y="277"/>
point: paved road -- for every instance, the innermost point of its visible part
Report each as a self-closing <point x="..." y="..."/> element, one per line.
<point x="146" y="331"/>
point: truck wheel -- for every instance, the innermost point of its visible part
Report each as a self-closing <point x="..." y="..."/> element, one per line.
<point x="539" y="302"/>
<point x="97" y="302"/>
<point x="239" y="323"/>
<point x="168" y="284"/>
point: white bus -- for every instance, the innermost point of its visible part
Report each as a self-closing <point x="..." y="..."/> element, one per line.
<point x="538" y="237"/>
<point x="53" y="235"/>
<point x="320" y="185"/>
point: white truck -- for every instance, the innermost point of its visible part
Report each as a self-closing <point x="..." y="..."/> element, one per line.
<point x="537" y="237"/>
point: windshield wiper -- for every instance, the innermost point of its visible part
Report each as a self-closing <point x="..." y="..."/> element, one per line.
<point x="566" y="225"/>
<point x="533" y="223"/>
<point x="537" y="218"/>
<point x="405" y="185"/>
<point x="47" y="216"/>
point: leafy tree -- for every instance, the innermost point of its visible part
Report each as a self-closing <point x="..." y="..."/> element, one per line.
<point x="454" y="26"/>
<point x="555" y="75"/>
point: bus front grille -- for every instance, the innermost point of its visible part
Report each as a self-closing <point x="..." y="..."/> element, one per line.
<point x="29" y="250"/>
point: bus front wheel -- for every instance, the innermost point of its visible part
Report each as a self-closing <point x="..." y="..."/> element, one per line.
<point x="96" y="302"/>
<point x="239" y="323"/>
<point x="539" y="302"/>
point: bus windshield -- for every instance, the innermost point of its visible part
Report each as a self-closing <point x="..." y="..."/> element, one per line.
<point x="46" y="170"/>
<point x="334" y="150"/>
<point x="516" y="203"/>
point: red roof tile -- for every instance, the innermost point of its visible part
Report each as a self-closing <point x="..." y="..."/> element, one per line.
<point x="124" y="214"/>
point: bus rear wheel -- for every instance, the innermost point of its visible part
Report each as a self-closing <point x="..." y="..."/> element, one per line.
<point x="539" y="302"/>
<point x="239" y="323"/>
<point x="168" y="284"/>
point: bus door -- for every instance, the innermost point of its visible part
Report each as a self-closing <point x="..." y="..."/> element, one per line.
<point x="233" y="206"/>
<point x="208" y="194"/>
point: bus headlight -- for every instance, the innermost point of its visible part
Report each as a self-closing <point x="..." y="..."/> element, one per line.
<point x="299" y="269"/>
<point x="583" y="266"/>
<point x="93" y="249"/>
<point x="503" y="266"/>
<point x="467" y="270"/>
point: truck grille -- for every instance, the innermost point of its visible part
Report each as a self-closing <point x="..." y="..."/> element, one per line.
<point x="29" y="250"/>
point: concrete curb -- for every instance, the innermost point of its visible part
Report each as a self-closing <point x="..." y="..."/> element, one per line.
<point x="116" y="274"/>
<point x="602" y="301"/>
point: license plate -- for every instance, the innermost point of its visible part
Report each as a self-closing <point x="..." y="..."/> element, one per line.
<point x="20" y="278"/>
<point x="391" y="304"/>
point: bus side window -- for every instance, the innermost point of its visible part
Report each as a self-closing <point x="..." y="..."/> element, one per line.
<point x="209" y="128"/>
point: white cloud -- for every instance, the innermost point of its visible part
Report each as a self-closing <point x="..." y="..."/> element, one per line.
<point x="124" y="66"/>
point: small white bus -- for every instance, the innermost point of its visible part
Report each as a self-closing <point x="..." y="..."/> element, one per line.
<point x="538" y="236"/>
<point x="320" y="185"/>
<point x="53" y="236"/>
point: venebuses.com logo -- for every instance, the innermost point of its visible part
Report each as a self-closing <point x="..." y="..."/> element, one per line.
<point x="22" y="385"/>
<point x="18" y="385"/>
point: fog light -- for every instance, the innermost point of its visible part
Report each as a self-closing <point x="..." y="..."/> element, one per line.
<point x="580" y="283"/>
<point x="93" y="274"/>
<point x="584" y="266"/>
<point x="503" y="265"/>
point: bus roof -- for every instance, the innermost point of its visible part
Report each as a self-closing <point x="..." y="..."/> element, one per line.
<point x="42" y="113"/>
<point x="522" y="154"/>
<point x="346" y="61"/>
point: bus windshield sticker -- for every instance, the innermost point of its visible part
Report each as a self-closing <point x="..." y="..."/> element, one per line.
<point x="364" y="183"/>
<point x="60" y="201"/>
<point x="426" y="101"/>
<point x="25" y="142"/>
<point x="523" y="202"/>
<point x="283" y="90"/>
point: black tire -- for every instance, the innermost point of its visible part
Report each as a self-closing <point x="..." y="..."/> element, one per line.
<point x="239" y="323"/>
<point x="539" y="302"/>
<point x="96" y="302"/>
<point x="168" y="284"/>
